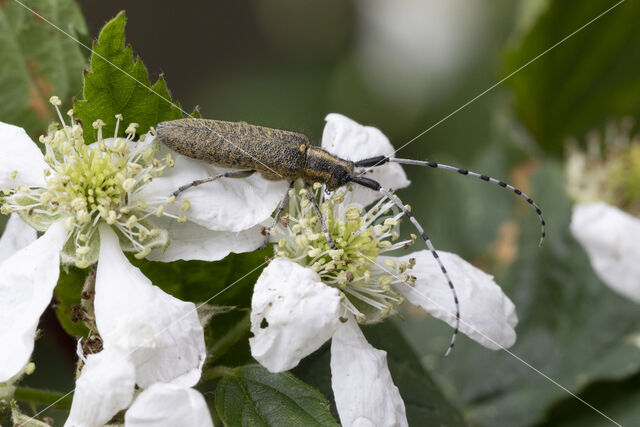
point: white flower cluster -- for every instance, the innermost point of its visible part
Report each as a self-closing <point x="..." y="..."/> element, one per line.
<point x="93" y="203"/>
<point x="604" y="182"/>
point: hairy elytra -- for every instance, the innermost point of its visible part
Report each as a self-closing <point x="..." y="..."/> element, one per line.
<point x="275" y="154"/>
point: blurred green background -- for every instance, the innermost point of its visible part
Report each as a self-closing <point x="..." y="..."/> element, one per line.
<point x="404" y="66"/>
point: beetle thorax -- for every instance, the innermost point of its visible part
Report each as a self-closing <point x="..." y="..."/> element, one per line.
<point x="326" y="168"/>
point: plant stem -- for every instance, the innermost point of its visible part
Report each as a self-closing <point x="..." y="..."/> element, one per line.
<point x="216" y="372"/>
<point x="232" y="336"/>
<point x="34" y="395"/>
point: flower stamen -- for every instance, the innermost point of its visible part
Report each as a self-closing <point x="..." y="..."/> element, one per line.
<point x="360" y="237"/>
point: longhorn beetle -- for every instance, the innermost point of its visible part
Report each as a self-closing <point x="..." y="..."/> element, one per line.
<point x="284" y="155"/>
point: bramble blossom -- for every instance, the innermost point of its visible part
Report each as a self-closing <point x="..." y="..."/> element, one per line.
<point x="311" y="293"/>
<point x="93" y="203"/>
<point x="605" y="184"/>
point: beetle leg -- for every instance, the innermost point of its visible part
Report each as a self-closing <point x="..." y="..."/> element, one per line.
<point x="312" y="199"/>
<point x="281" y="208"/>
<point x="232" y="174"/>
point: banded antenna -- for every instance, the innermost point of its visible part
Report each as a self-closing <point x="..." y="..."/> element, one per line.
<point x="374" y="185"/>
<point x="380" y="160"/>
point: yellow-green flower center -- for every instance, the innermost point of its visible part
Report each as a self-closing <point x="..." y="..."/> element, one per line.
<point x="608" y="171"/>
<point x="89" y="180"/>
<point x="353" y="266"/>
<point x="86" y="185"/>
<point x="624" y="178"/>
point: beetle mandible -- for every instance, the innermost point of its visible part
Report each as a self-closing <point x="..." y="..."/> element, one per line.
<point x="284" y="155"/>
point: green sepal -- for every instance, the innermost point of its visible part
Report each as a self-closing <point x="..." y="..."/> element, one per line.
<point x="68" y="293"/>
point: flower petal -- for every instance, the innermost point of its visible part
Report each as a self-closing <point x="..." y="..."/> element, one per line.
<point x="17" y="235"/>
<point x="352" y="141"/>
<point x="292" y="314"/>
<point x="487" y="315"/>
<point x="27" y="279"/>
<point x="165" y="404"/>
<point x="104" y="388"/>
<point x="230" y="204"/>
<point x="162" y="332"/>
<point x="611" y="238"/>
<point x="19" y="153"/>
<point x="189" y="241"/>
<point x="362" y="385"/>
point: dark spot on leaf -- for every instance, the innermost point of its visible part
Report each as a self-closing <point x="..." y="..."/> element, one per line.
<point x="264" y="324"/>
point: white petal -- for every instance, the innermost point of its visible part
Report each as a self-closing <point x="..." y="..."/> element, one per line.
<point x="230" y="204"/>
<point x="17" y="235"/>
<point x="169" y="405"/>
<point x="611" y="238"/>
<point x="362" y="384"/>
<point x="104" y="388"/>
<point x="27" y="279"/>
<point x="163" y="332"/>
<point x="352" y="141"/>
<point x="190" y="241"/>
<point x="292" y="314"/>
<point x="487" y="315"/>
<point x="19" y="153"/>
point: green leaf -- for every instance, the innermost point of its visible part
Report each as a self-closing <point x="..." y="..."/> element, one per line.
<point x="68" y="293"/>
<point x="251" y="395"/>
<point x="589" y="78"/>
<point x="618" y="400"/>
<point x="424" y="402"/>
<point x="118" y="84"/>
<point x="38" y="61"/>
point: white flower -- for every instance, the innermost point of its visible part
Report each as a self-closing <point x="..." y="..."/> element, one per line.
<point x="168" y="405"/>
<point x="74" y="191"/>
<point x="311" y="292"/>
<point x="604" y="181"/>
<point x="611" y="238"/>
<point x="150" y="339"/>
<point x="92" y="203"/>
